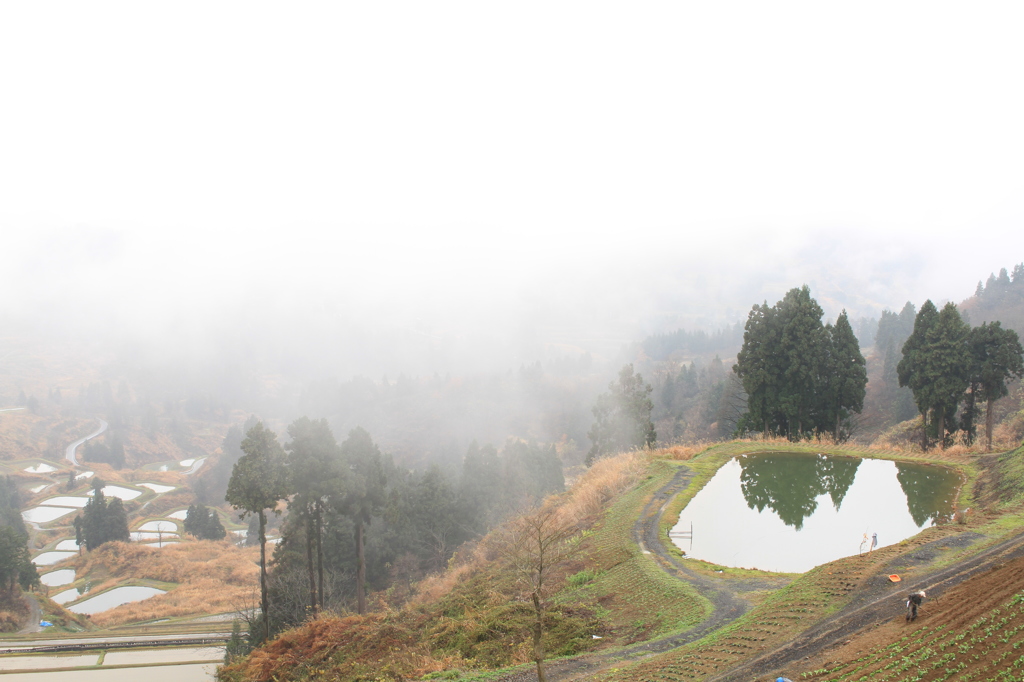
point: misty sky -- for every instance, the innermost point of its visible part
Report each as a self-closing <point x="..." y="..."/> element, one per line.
<point x="445" y="165"/>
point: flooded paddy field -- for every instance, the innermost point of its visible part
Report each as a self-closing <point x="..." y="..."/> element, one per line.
<point x="163" y="664"/>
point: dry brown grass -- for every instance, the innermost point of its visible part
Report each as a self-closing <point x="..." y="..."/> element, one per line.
<point x="211" y="577"/>
<point x="605" y="479"/>
<point x="24" y="435"/>
<point x="589" y="495"/>
<point x="13" y="612"/>
<point x="353" y="647"/>
<point x="685" y="451"/>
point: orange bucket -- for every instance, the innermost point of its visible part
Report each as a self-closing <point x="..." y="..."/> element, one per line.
<point x="894" y="578"/>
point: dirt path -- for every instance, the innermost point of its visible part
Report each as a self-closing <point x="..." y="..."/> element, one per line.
<point x="724" y="595"/>
<point x="35" y="614"/>
<point x="69" y="454"/>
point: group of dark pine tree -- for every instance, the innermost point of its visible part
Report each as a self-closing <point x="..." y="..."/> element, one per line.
<point x="951" y="367"/>
<point x="101" y="520"/>
<point x="356" y="520"/>
<point x="802" y="378"/>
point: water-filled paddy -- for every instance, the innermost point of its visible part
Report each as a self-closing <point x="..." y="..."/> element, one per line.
<point x="67" y="546"/>
<point x="118" y="491"/>
<point x="115" y="597"/>
<point x="65" y="576"/>
<point x="137" y="536"/>
<point x="43" y="662"/>
<point x="50" y="558"/>
<point x="66" y="501"/>
<point x="199" y="672"/>
<point x="45" y="514"/>
<point x="164" y="526"/>
<point x="180" y="514"/>
<point x="167" y="655"/>
<point x="790" y="512"/>
<point x="66" y="596"/>
<point x="157" y="488"/>
<point x="41" y="468"/>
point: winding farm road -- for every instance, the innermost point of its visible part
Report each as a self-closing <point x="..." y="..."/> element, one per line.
<point x="69" y="455"/>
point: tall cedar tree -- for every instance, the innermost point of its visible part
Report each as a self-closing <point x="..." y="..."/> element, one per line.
<point x="622" y="417"/>
<point x="800" y="377"/>
<point x="258" y="482"/>
<point x="364" y="496"/>
<point x="996" y="355"/>
<point x="847" y="375"/>
<point x="758" y="366"/>
<point x="315" y="463"/>
<point x="804" y="349"/>
<point x="935" y="366"/>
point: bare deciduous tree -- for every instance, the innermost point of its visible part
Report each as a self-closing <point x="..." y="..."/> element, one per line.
<point x="533" y="545"/>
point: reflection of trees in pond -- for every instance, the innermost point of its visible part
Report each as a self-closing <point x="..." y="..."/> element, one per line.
<point x="789" y="485"/>
<point x="929" y="491"/>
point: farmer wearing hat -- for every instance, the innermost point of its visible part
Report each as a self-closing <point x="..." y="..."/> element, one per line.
<point x="913" y="601"/>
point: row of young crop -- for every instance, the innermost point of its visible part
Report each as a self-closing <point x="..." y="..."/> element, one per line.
<point x="782" y="615"/>
<point x="990" y="648"/>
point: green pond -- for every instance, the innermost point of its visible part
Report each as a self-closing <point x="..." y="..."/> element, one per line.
<point x="790" y="512"/>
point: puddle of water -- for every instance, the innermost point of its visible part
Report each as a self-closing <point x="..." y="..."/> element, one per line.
<point x="157" y="488"/>
<point x="67" y="546"/>
<point x="50" y="558"/>
<point x="164" y="526"/>
<point x="77" y="502"/>
<point x="118" y="491"/>
<point x="180" y="514"/>
<point x="115" y="597"/>
<point x="65" y="576"/>
<point x="41" y="469"/>
<point x="791" y="512"/>
<point x="45" y="514"/>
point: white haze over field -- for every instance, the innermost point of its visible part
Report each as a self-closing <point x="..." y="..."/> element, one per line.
<point x="330" y="177"/>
